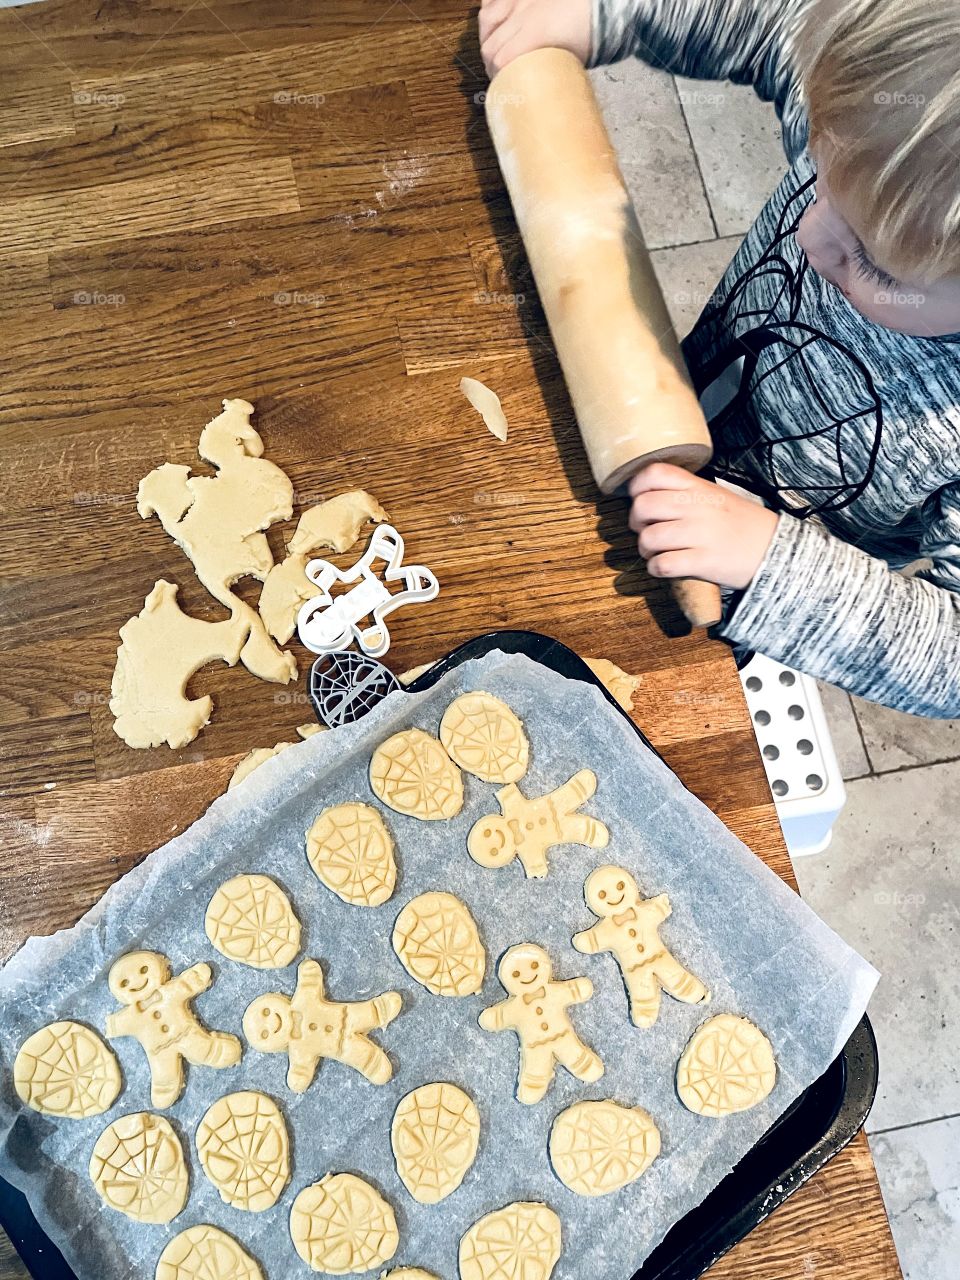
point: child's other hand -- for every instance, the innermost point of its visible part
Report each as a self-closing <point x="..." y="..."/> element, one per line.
<point x="511" y="27"/>
<point x="689" y="527"/>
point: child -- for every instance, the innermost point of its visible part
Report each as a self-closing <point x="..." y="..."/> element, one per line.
<point x="835" y="331"/>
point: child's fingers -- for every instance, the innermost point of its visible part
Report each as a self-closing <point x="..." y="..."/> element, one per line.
<point x="504" y="45"/>
<point x="659" y="504"/>
<point x="492" y="13"/>
<point x="673" y="564"/>
<point x="661" y="475"/>
<point x="666" y="535"/>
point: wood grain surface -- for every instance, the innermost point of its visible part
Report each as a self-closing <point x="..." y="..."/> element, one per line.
<point x="297" y="203"/>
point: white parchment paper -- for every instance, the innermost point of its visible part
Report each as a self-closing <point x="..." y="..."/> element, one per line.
<point x="760" y="950"/>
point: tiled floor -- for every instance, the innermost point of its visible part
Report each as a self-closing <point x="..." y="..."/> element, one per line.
<point x="700" y="160"/>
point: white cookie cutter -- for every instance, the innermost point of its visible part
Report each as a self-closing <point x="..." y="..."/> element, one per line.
<point x="326" y="623"/>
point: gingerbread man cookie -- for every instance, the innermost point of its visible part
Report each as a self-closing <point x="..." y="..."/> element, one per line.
<point x="309" y="1027"/>
<point x="537" y="1012"/>
<point x="526" y="829"/>
<point x="158" y="1014"/>
<point x="629" y="928"/>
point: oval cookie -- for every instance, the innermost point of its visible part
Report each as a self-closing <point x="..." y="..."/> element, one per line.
<point x="65" y="1069"/>
<point x="485" y="738"/>
<point x="243" y="1146"/>
<point x="138" y="1168"/>
<point x="438" y="943"/>
<point x="206" y="1253"/>
<point x="351" y="851"/>
<point x="341" y="1225"/>
<point x="250" y="920"/>
<point x="519" y="1242"/>
<point x="727" y="1066"/>
<point x="435" y="1134"/>
<point x="413" y="774"/>
<point x="600" y="1147"/>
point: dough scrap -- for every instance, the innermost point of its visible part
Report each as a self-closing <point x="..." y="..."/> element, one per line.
<point x="537" y="1011"/>
<point x="137" y="1167"/>
<point x="334" y="526"/>
<point x="629" y="928"/>
<point x="342" y="1226"/>
<point x="206" y="1253"/>
<point x="219" y="522"/>
<point x="65" y="1069"/>
<point x="157" y="1013"/>
<point x="161" y="649"/>
<point x="438" y="943"/>
<point x="260" y="755"/>
<point x="526" y="829"/>
<point x="351" y="852"/>
<point x="249" y="919"/>
<point x="727" y="1066"/>
<point x="408" y="1273"/>
<point x="434" y="1135"/>
<point x="308" y="1028"/>
<point x="521" y="1241"/>
<point x="483" y="736"/>
<point x="615" y="680"/>
<point x="243" y="1146"/>
<point x="413" y="774"/>
<point x="597" y="1148"/>
<point x="487" y="404"/>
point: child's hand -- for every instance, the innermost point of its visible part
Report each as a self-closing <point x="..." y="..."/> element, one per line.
<point x="511" y="27"/>
<point x="692" y="528"/>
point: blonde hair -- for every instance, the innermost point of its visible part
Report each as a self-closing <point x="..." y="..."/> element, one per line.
<point x="882" y="83"/>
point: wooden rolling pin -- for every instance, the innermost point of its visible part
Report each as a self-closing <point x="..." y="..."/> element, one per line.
<point x="617" y="347"/>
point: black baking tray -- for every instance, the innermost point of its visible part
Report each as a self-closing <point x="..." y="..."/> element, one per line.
<point x="820" y="1122"/>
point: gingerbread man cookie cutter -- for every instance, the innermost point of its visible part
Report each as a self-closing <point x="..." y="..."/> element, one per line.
<point x="326" y="622"/>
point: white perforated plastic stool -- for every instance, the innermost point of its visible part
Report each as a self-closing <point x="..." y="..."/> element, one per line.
<point x="797" y="752"/>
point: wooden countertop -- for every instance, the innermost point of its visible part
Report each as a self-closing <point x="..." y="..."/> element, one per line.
<point x="296" y="202"/>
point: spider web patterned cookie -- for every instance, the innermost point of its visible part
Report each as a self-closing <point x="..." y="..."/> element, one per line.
<point x="435" y="1134"/>
<point x="137" y="1167"/>
<point x="341" y="1225"/>
<point x="243" y="1146"/>
<point x="485" y="738"/>
<point x="600" y="1147"/>
<point x="65" y="1069"/>
<point x="519" y="1242"/>
<point x="206" y="1253"/>
<point x="351" y="851"/>
<point x="727" y="1066"/>
<point x="413" y="774"/>
<point x="250" y="920"/>
<point x="438" y="943"/>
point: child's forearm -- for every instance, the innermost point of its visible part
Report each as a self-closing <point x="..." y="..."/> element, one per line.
<point x="829" y="609"/>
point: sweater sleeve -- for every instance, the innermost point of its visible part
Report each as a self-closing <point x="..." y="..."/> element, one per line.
<point x="745" y="41"/>
<point x="830" y="610"/>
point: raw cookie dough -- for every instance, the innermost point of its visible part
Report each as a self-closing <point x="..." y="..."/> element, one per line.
<point x="727" y="1066"/>
<point x="528" y="828"/>
<point x="521" y="1241"/>
<point x="65" y="1069"/>
<point x="334" y="526"/>
<point x="308" y="1028"/>
<point x="351" y="851"/>
<point x="408" y="1273"/>
<point x="260" y="755"/>
<point x="438" y="943"/>
<point x="537" y="1012"/>
<point x="342" y="1226"/>
<point x="435" y="1134"/>
<point x="483" y="736"/>
<point x="218" y="521"/>
<point x="161" y="649"/>
<point x="629" y="928"/>
<point x="243" y="1146"/>
<point x="250" y="920"/>
<point x="158" y="1014"/>
<point x="615" y="680"/>
<point x="487" y="404"/>
<point x="600" y="1147"/>
<point x="137" y="1167"/>
<point x="413" y="774"/>
<point x="205" y="1253"/>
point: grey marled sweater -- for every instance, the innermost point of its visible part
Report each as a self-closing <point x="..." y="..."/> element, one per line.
<point x="850" y="430"/>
